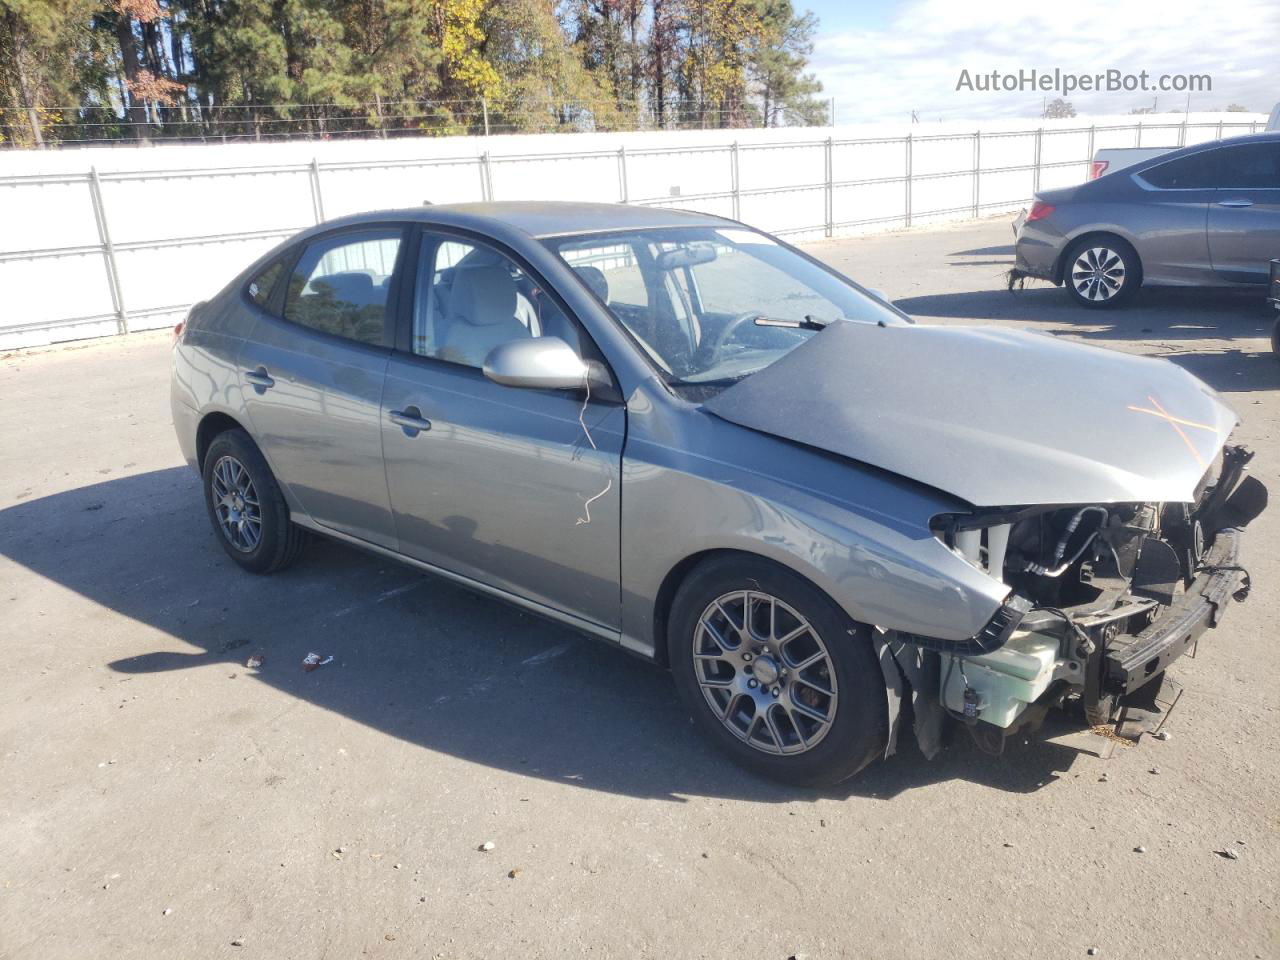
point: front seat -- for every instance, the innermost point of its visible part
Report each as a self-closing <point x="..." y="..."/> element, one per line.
<point x="481" y="311"/>
<point x="595" y="279"/>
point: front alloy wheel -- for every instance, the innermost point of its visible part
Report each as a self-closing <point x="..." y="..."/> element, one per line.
<point x="765" y="672"/>
<point x="775" y="672"/>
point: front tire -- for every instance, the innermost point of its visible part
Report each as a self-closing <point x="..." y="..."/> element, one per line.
<point x="246" y="506"/>
<point x="1101" y="273"/>
<point x="776" y="673"/>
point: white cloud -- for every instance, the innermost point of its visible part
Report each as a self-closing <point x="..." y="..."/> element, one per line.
<point x="915" y="62"/>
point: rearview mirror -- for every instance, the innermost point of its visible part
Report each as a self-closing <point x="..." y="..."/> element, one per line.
<point x="545" y="362"/>
<point x="687" y="256"/>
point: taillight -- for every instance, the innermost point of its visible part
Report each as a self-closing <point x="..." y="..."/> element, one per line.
<point x="1098" y="168"/>
<point x="177" y="332"/>
<point x="1039" y="210"/>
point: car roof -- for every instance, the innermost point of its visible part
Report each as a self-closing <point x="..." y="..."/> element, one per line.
<point x="540" y="218"/>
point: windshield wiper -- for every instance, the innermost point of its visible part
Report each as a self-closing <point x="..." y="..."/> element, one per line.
<point x="808" y="323"/>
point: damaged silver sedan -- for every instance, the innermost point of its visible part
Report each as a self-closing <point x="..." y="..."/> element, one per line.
<point x="694" y="441"/>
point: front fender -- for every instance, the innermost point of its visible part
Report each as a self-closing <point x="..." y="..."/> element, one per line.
<point x="859" y="534"/>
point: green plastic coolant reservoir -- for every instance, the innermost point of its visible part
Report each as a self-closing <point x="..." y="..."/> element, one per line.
<point x="1007" y="679"/>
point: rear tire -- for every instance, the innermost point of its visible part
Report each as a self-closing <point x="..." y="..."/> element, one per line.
<point x="246" y="507"/>
<point x="776" y="673"/>
<point x="1101" y="272"/>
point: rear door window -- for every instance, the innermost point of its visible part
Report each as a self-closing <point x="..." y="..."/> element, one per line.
<point x="342" y="283"/>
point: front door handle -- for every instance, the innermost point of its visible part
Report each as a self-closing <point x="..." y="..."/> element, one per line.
<point x="1235" y="203"/>
<point x="411" y="419"/>
<point x="260" y="379"/>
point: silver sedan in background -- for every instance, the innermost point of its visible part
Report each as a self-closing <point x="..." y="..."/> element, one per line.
<point x="693" y="441"/>
<point x="1206" y="215"/>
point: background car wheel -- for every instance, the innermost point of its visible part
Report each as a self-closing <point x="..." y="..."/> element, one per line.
<point x="246" y="507"/>
<point x="1101" y="272"/>
<point x="776" y="673"/>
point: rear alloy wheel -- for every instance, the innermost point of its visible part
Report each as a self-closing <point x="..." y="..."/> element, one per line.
<point x="776" y="673"/>
<point x="1102" y="272"/>
<point x="246" y="506"/>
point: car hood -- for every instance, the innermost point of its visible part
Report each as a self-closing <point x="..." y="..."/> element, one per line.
<point x="997" y="417"/>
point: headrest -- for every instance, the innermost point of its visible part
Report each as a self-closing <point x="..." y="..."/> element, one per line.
<point x="594" y="278"/>
<point x="483" y="292"/>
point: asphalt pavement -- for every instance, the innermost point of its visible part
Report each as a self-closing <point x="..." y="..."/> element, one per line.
<point x="159" y="798"/>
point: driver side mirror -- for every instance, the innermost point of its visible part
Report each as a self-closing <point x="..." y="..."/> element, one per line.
<point x="538" y="362"/>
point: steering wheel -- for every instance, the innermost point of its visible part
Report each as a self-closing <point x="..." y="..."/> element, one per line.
<point x="709" y="352"/>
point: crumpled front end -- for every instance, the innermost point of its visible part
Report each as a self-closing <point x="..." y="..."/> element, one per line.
<point x="1103" y="597"/>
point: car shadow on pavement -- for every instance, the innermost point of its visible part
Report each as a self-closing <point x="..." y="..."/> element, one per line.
<point x="1163" y="321"/>
<point x="416" y="656"/>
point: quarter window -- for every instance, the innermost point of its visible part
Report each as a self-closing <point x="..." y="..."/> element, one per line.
<point x="341" y="285"/>
<point x="1186" y="173"/>
<point x="260" y="287"/>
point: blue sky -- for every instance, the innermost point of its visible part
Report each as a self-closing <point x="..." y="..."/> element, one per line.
<point x="882" y="60"/>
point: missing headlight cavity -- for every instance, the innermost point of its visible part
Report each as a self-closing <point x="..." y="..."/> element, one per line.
<point x="1102" y="598"/>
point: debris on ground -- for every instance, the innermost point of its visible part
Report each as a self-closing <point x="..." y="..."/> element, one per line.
<point x="313" y="660"/>
<point x="1227" y="854"/>
<point x="238" y="942"/>
<point x="514" y="872"/>
<point x="487" y="846"/>
<point x="1108" y="732"/>
<point x="1164" y="735"/>
<point x="1155" y="770"/>
<point x="1139" y="849"/>
<point x="255" y="661"/>
<point x="1104" y="778"/>
<point x="1093" y="951"/>
<point x="166" y="911"/>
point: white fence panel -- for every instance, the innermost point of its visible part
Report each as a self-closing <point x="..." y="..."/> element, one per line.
<point x="86" y="252"/>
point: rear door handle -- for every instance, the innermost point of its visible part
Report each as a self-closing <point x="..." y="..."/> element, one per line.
<point x="260" y="379"/>
<point x="411" y="419"/>
<point x="1235" y="203"/>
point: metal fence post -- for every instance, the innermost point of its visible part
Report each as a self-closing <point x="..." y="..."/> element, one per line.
<point x="1219" y="129"/>
<point x="622" y="174"/>
<point x="1089" y="159"/>
<point x="733" y="179"/>
<point x="108" y="250"/>
<point x="484" y="106"/>
<point x="1139" y="133"/>
<point x="828" y="190"/>
<point x="977" y="172"/>
<point x="907" y="180"/>
<point x="317" y="199"/>
<point x="1039" y="148"/>
<point x="486" y="182"/>
<point x="1182" y="132"/>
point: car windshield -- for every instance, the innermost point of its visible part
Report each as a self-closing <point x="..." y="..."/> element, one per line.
<point x="711" y="305"/>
